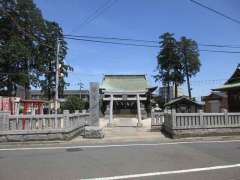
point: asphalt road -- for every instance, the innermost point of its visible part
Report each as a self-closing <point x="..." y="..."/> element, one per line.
<point x="137" y="161"/>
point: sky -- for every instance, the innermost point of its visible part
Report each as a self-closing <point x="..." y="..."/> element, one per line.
<point x="145" y="19"/>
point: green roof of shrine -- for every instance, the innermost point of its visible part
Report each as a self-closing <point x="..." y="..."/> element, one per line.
<point x="228" y="86"/>
<point x="232" y="83"/>
<point x="125" y="83"/>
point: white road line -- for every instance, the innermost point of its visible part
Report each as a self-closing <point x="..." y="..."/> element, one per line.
<point x="116" y="145"/>
<point x="166" y="172"/>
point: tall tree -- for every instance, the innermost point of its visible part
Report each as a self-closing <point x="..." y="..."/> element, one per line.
<point x="28" y="49"/>
<point x="168" y="63"/>
<point x="47" y="54"/>
<point x="189" y="55"/>
<point x="22" y="26"/>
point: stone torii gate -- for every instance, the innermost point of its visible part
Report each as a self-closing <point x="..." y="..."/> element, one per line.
<point x="126" y="96"/>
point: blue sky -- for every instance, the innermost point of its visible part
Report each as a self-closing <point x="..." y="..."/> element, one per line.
<point x="145" y="19"/>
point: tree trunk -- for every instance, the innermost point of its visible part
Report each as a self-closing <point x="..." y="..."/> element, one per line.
<point x="189" y="88"/>
<point x="27" y="91"/>
<point x="49" y="87"/>
<point x="187" y="75"/>
<point x="9" y="89"/>
<point x="168" y="91"/>
<point x="176" y="90"/>
<point x="27" y="84"/>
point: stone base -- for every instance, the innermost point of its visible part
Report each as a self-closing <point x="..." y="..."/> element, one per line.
<point x="139" y="124"/>
<point x="182" y="133"/>
<point x="40" y="135"/>
<point x="109" y="125"/>
<point x="93" y="132"/>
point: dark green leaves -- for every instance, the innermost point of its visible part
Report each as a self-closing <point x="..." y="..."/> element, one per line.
<point x="28" y="48"/>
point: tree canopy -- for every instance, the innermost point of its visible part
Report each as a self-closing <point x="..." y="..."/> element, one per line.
<point x="177" y="61"/>
<point x="73" y="103"/>
<point x="28" y="48"/>
<point x="169" y="65"/>
<point x="189" y="56"/>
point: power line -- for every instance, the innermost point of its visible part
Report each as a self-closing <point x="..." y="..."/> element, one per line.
<point x="219" y="51"/>
<point x="111" y="38"/>
<point x="143" y="45"/>
<point x="127" y="39"/>
<point x="216" y="12"/>
<point x="111" y="42"/>
<point x="145" y="41"/>
<point x="99" y="11"/>
<point x="220" y="46"/>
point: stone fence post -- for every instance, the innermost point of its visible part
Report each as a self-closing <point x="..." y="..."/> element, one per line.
<point x="226" y="122"/>
<point x="66" y="120"/>
<point x="173" y="118"/>
<point x="4" y="121"/>
<point x="201" y="122"/>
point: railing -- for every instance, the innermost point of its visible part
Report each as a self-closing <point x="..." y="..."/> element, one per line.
<point x="16" y="122"/>
<point x="157" y="120"/>
<point x="203" y="120"/>
<point x="44" y="121"/>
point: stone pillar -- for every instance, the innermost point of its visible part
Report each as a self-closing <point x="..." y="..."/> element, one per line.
<point x="66" y="119"/>
<point x="143" y="110"/>
<point x="111" y="111"/>
<point x="93" y="130"/>
<point x="201" y="119"/>
<point x="139" y="124"/>
<point x="17" y="106"/>
<point x="94" y="104"/>
<point x="107" y="111"/>
<point x="226" y="121"/>
<point x="4" y="121"/>
<point x="173" y="119"/>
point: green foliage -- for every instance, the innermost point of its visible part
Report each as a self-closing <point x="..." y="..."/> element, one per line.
<point x="189" y="53"/>
<point x="169" y="66"/>
<point x="47" y="54"/>
<point x="177" y="61"/>
<point x="74" y="103"/>
<point x="28" y="48"/>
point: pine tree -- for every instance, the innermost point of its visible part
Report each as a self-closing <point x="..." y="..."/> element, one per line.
<point x="189" y="55"/>
<point x="168" y="63"/>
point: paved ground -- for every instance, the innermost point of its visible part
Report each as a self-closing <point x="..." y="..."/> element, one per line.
<point x="127" y="152"/>
<point x="125" y="130"/>
<point x="135" y="160"/>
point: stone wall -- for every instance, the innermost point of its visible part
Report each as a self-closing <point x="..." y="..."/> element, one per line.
<point x="201" y="124"/>
<point x="36" y="135"/>
<point x="40" y="135"/>
<point x="202" y="132"/>
<point x="41" y="127"/>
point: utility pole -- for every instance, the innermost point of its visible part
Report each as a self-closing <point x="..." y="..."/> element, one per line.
<point x="57" y="82"/>
<point x="81" y="86"/>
